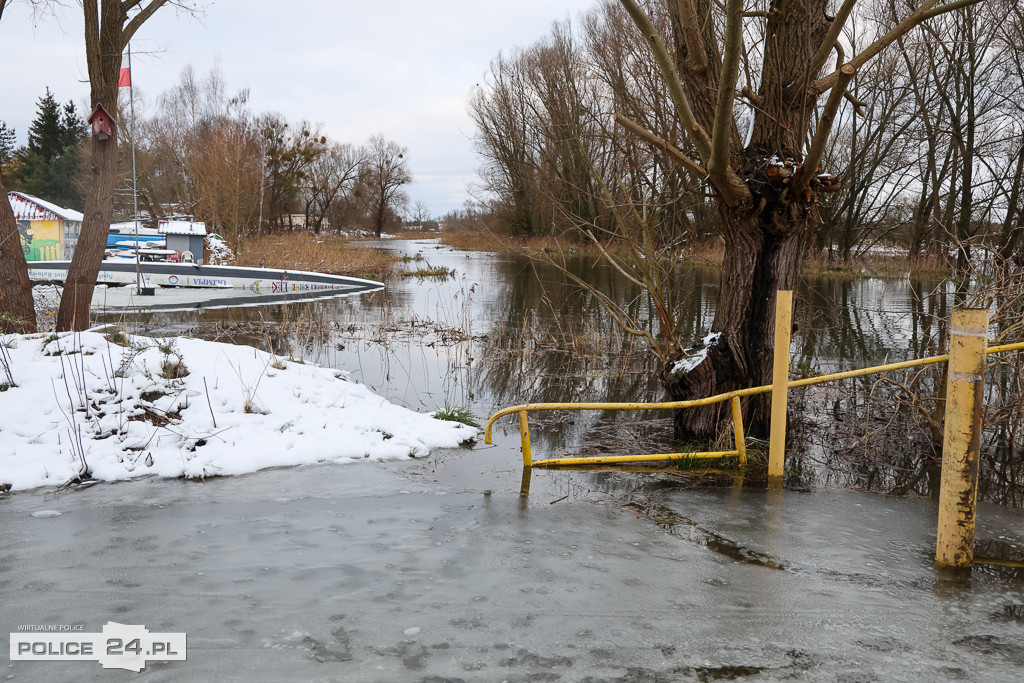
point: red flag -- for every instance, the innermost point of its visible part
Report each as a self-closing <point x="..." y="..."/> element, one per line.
<point x="125" y="79"/>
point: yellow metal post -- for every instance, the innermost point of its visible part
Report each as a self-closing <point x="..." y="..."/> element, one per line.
<point x="780" y="381"/>
<point x="961" y="445"/>
<point x="737" y="426"/>
<point x="524" y="435"/>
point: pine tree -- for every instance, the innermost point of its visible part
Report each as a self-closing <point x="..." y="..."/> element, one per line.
<point x="7" y="140"/>
<point x="49" y="163"/>
<point x="7" y="144"/>
<point x="46" y="134"/>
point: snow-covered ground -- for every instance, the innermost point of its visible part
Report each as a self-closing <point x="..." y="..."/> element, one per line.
<point x="107" y="406"/>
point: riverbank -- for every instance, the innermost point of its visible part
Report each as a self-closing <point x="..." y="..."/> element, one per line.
<point x="880" y="262"/>
<point x="76" y="408"/>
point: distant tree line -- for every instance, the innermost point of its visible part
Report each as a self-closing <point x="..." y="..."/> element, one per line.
<point x="927" y="147"/>
<point x="204" y="153"/>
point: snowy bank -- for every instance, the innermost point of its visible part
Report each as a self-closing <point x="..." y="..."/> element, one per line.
<point x="109" y="407"/>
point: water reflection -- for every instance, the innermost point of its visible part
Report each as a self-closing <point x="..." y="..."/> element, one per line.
<point x="506" y="330"/>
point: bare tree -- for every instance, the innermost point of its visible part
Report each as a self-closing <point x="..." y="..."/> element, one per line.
<point x="766" y="189"/>
<point x="17" y="310"/>
<point x="331" y="175"/>
<point x="109" y="25"/>
<point x="387" y="171"/>
<point x="290" y="154"/>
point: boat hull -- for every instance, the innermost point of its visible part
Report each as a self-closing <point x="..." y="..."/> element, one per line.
<point x="257" y="280"/>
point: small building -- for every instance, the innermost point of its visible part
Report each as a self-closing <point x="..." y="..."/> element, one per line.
<point x="185" y="236"/>
<point x="48" y="232"/>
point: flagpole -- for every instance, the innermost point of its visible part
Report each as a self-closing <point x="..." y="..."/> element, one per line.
<point x="135" y="189"/>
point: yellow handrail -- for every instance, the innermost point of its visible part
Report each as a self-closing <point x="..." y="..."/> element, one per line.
<point x="524" y="409"/>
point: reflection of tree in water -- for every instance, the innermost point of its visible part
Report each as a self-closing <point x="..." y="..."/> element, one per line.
<point x="546" y="341"/>
<point x="884" y="432"/>
<point x="552" y="342"/>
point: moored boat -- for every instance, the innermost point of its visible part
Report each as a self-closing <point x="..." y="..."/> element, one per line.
<point x="123" y="271"/>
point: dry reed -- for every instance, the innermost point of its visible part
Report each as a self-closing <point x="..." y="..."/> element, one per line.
<point x="306" y="251"/>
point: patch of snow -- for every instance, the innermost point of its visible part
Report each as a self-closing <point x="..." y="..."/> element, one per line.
<point x="84" y="406"/>
<point x="694" y="356"/>
<point x="218" y="253"/>
<point x="46" y="513"/>
<point x="685" y="365"/>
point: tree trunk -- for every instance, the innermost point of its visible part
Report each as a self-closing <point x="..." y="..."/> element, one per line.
<point x="105" y="38"/>
<point x="764" y="261"/>
<point x="73" y="313"/>
<point x="17" y="310"/>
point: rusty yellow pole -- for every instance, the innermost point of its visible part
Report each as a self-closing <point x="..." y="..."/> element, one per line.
<point x="524" y="435"/>
<point x="737" y="426"/>
<point x="780" y="380"/>
<point x="961" y="443"/>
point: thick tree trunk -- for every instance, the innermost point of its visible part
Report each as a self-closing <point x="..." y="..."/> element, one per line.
<point x="105" y="38"/>
<point x="73" y="313"/>
<point x="17" y="310"/>
<point x="764" y="261"/>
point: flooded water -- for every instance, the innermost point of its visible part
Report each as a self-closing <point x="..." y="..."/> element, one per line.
<point x="460" y="566"/>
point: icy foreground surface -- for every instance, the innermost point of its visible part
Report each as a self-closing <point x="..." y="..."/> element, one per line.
<point x="82" y="405"/>
<point x="378" y="574"/>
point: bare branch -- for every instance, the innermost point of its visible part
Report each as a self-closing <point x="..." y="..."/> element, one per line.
<point x="686" y="162"/>
<point x="718" y="164"/>
<point x="828" y="115"/>
<point x="751" y="96"/>
<point x="671" y="76"/>
<point x="690" y="24"/>
<point x="140" y="18"/>
<point x="831" y="39"/>
<point x="951" y="7"/>
<point x="859" y="106"/>
<point x="927" y="10"/>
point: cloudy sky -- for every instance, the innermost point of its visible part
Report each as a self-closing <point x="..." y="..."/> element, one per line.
<point x="399" y="67"/>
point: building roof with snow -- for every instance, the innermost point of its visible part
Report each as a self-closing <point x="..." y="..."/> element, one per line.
<point x="182" y="227"/>
<point x="29" y="208"/>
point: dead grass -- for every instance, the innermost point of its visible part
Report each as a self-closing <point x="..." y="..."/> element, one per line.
<point x="875" y="265"/>
<point x="306" y="251"/>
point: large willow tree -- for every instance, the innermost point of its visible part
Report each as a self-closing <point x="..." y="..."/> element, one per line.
<point x="765" y="182"/>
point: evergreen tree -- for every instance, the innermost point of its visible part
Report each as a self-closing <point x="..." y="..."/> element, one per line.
<point x="7" y="142"/>
<point x="7" y="139"/>
<point x="49" y="163"/>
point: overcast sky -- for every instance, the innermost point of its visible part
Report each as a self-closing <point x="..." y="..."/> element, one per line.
<point x="399" y="67"/>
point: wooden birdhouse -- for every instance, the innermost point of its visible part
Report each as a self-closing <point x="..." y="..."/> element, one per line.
<point x="102" y="124"/>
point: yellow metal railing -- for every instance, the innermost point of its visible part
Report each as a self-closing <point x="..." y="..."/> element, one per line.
<point x="965" y="383"/>
<point x="739" y="451"/>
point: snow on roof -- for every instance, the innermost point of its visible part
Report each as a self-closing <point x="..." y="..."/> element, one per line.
<point x="27" y="207"/>
<point x="182" y="227"/>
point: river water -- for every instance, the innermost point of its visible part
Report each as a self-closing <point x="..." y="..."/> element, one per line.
<point x="460" y="566"/>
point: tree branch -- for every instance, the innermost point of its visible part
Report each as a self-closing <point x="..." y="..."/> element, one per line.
<point x="690" y="24"/>
<point x="686" y="162"/>
<point x="671" y="76"/>
<point x="951" y="7"/>
<point x="140" y="18"/>
<point x="751" y="96"/>
<point x="718" y="164"/>
<point x="927" y="10"/>
<point x="828" y="115"/>
<point x="830" y="39"/>
<point x="859" y="106"/>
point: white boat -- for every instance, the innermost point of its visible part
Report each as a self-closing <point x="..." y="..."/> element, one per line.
<point x="124" y="271"/>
